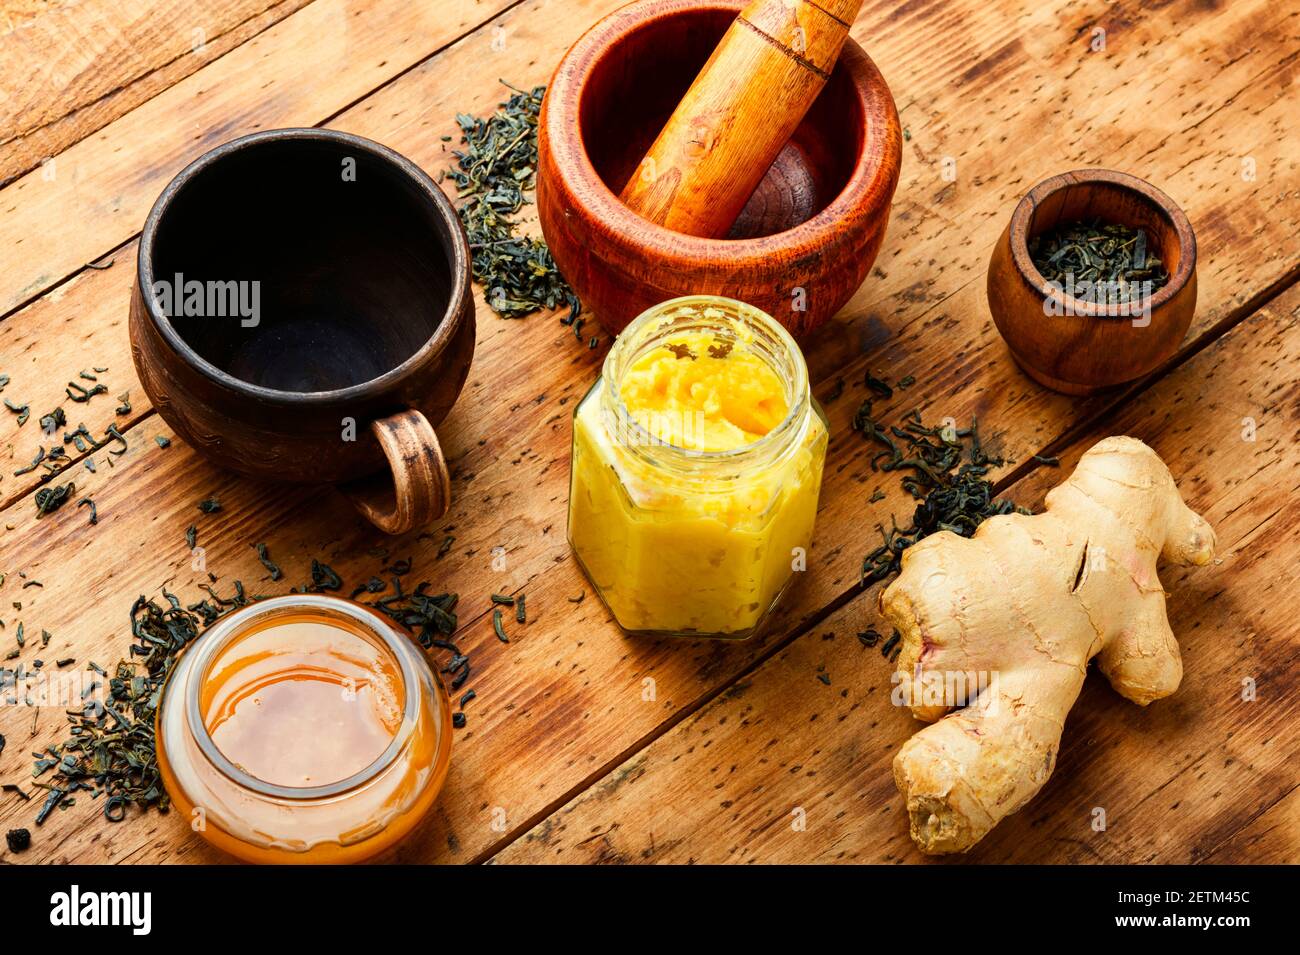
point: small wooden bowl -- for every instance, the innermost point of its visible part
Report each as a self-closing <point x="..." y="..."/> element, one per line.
<point x="807" y="237"/>
<point x="1079" y="347"/>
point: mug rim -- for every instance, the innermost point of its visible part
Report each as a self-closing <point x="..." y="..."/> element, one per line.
<point x="433" y="345"/>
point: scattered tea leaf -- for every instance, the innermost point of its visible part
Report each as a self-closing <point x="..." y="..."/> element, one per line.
<point x="81" y="395"/>
<point x="879" y="386"/>
<point x="323" y="577"/>
<point x="265" y="557"/>
<point x="50" y="499"/>
<point x="94" y="511"/>
<point x="53" y="421"/>
<point x="23" y="411"/>
<point x="36" y="462"/>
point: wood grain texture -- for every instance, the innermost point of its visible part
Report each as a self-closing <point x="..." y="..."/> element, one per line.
<point x="1268" y="839"/>
<point x="301" y="71"/>
<point x="783" y="767"/>
<point x="562" y="705"/>
<point x="71" y="68"/>
<point x="418" y="490"/>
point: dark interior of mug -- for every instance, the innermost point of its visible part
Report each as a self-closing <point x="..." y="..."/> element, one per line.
<point x="302" y="265"/>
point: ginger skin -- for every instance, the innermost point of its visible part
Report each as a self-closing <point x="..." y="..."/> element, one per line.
<point x="1025" y="604"/>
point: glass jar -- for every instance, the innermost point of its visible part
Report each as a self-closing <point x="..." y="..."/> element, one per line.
<point x="304" y="728"/>
<point x="687" y="542"/>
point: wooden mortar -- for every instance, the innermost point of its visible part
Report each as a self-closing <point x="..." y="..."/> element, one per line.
<point x="737" y="116"/>
<point x="805" y="240"/>
<point x="1098" y="346"/>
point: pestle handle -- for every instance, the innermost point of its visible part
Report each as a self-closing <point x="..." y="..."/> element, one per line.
<point x="738" y="114"/>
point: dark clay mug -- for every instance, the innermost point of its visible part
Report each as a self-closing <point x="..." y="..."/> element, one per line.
<point x="302" y="313"/>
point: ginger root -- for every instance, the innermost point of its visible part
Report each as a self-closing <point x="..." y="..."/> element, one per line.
<point x="1006" y="621"/>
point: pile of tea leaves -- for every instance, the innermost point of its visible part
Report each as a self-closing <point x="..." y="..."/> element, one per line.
<point x="110" y="750"/>
<point x="493" y="172"/>
<point x="945" y="469"/>
<point x="1095" y="251"/>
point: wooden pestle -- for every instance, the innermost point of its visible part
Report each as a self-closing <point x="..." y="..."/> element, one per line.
<point x="738" y="114"/>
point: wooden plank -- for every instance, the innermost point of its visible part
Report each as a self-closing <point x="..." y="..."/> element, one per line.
<point x="1272" y="838"/>
<point x="95" y="195"/>
<point x="783" y="768"/>
<point x="72" y="68"/>
<point x="564" y="702"/>
<point x="78" y="327"/>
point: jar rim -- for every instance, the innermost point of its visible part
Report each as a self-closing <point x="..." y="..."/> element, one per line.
<point x="223" y="633"/>
<point x="771" y="443"/>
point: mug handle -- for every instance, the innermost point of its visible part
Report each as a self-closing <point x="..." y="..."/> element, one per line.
<point x="421" y="488"/>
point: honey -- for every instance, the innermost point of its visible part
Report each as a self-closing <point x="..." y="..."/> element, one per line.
<point x="304" y="729"/>
<point x="302" y="700"/>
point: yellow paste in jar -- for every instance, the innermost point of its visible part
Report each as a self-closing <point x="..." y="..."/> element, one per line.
<point x="697" y="393"/>
<point x="706" y="552"/>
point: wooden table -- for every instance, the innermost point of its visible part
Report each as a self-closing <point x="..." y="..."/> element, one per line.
<point x="584" y="745"/>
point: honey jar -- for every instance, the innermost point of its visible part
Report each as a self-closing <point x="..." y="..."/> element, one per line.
<point x="697" y="465"/>
<point x="304" y="728"/>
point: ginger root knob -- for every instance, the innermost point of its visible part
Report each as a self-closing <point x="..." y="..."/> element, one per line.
<point x="997" y="631"/>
